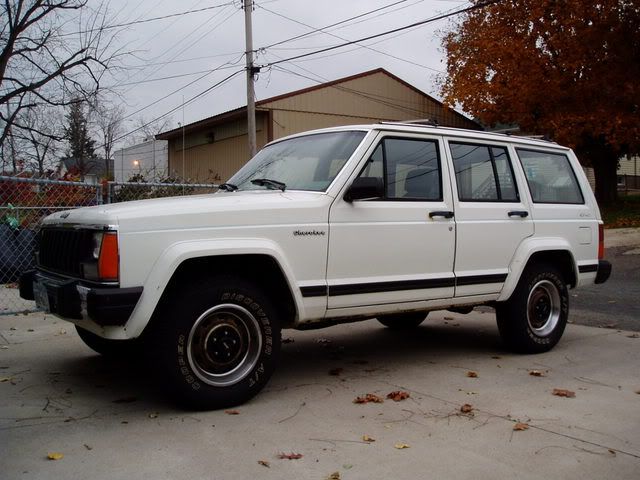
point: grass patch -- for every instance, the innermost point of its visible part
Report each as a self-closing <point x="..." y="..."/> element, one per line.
<point x="625" y="213"/>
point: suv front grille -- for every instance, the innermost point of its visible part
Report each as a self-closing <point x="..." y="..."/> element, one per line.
<point x="62" y="250"/>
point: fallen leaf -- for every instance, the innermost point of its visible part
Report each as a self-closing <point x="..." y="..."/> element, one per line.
<point x="289" y="456"/>
<point x="334" y="476"/>
<point x="323" y="341"/>
<point x="288" y="340"/>
<point x="336" y="371"/>
<point x="518" y="427"/>
<point x="472" y="374"/>
<point x="561" y="392"/>
<point x="398" y="395"/>
<point x="264" y="463"/>
<point x="400" y="446"/>
<point x="367" y="438"/>
<point x="638" y="392"/>
<point x="30" y="330"/>
<point x="448" y="318"/>
<point x="232" y="412"/>
<point x="612" y="452"/>
<point x="88" y="447"/>
<point x="153" y="415"/>
<point x="609" y="325"/>
<point x="5" y="379"/>
<point x="4" y="347"/>
<point x="347" y="466"/>
<point x="633" y="335"/>
<point x="537" y="373"/>
<point x="369" y="397"/>
<point x="466" y="408"/>
<point x="496" y="357"/>
<point x="55" y="456"/>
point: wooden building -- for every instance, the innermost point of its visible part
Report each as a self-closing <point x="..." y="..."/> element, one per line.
<point x="213" y="149"/>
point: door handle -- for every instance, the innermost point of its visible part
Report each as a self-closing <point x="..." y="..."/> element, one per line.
<point x="518" y="213"/>
<point x="445" y="214"/>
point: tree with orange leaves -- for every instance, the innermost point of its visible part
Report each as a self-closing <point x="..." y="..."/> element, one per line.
<point x="567" y="69"/>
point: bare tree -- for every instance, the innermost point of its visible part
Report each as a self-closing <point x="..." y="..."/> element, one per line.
<point x="148" y="129"/>
<point x="53" y="52"/>
<point x="40" y="140"/>
<point x="109" y="123"/>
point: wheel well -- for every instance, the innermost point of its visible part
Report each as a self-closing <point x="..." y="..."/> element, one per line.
<point x="263" y="270"/>
<point x="561" y="259"/>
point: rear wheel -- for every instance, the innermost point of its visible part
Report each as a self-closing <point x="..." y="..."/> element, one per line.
<point x="534" y="318"/>
<point x="403" y="321"/>
<point x="217" y="344"/>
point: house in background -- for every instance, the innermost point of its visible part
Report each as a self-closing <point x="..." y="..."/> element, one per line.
<point x="148" y="159"/>
<point x="213" y="149"/>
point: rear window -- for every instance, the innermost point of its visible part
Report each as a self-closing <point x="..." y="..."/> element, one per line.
<point x="550" y="177"/>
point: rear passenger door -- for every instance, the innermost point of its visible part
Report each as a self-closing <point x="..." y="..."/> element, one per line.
<point x="491" y="211"/>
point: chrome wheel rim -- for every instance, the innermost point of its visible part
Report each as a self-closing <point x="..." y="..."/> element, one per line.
<point x="543" y="308"/>
<point x="224" y="345"/>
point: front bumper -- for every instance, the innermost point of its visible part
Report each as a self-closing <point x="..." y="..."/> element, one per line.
<point x="71" y="299"/>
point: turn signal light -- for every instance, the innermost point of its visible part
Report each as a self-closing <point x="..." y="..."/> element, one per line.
<point x="108" y="259"/>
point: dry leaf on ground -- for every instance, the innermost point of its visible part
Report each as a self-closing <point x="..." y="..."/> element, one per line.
<point x="368" y="398"/>
<point x="336" y="371"/>
<point x="334" y="476"/>
<point x="537" y="373"/>
<point x="367" y="438"/>
<point x="472" y="374"/>
<point x="55" y="456"/>
<point x="153" y="415"/>
<point x="288" y="340"/>
<point x="561" y="392"/>
<point x="264" y="463"/>
<point x="400" y="446"/>
<point x="289" y="456"/>
<point x="466" y="408"/>
<point x="232" y="412"/>
<point x="398" y="395"/>
<point x="518" y="427"/>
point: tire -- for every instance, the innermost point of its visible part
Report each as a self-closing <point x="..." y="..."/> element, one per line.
<point x="106" y="347"/>
<point x="403" y="321"/>
<point x="534" y="318"/>
<point x="217" y="343"/>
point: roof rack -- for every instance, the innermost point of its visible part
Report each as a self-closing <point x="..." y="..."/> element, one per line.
<point x="425" y="122"/>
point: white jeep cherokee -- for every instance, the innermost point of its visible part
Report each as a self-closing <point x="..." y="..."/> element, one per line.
<point x="388" y="221"/>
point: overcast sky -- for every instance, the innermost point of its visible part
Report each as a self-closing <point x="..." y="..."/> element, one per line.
<point x="197" y="43"/>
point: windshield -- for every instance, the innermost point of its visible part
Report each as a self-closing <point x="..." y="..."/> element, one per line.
<point x="302" y="163"/>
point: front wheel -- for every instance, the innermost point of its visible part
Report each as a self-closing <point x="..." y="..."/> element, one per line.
<point x="217" y="344"/>
<point x="534" y="318"/>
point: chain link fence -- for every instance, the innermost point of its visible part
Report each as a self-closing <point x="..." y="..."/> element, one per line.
<point x="24" y="202"/>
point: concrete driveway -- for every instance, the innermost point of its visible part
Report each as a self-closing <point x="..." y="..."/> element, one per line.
<point x="108" y="422"/>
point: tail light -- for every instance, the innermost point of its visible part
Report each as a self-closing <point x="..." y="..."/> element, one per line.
<point x="600" y="242"/>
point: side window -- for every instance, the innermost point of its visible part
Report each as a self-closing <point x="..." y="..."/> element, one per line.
<point x="550" y="177"/>
<point x="410" y="169"/>
<point x="483" y="173"/>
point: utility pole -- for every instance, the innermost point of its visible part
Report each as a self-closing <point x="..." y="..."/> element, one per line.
<point x="251" y="70"/>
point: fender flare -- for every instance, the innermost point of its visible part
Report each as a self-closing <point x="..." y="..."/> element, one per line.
<point x="171" y="258"/>
<point x="527" y="248"/>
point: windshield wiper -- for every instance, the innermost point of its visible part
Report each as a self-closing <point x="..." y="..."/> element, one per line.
<point x="229" y="187"/>
<point x="267" y="182"/>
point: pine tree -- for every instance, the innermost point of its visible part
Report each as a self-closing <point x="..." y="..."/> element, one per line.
<point x="81" y="149"/>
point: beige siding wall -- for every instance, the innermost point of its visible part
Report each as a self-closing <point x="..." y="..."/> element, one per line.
<point x="206" y="162"/>
<point x="368" y="99"/>
<point x="629" y="166"/>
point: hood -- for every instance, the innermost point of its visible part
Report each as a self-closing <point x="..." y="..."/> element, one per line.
<point x="255" y="207"/>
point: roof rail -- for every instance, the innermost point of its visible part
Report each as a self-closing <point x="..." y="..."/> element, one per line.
<point x="425" y="122"/>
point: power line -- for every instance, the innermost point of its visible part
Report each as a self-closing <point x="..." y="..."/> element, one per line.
<point x="388" y="32"/>
<point x="146" y="20"/>
<point x="359" y="46"/>
<point x="329" y="26"/>
<point x="182" y="105"/>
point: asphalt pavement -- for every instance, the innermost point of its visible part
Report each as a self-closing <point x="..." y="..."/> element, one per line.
<point x="474" y="411"/>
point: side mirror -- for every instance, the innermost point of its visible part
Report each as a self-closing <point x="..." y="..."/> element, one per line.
<point x="364" y="188"/>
